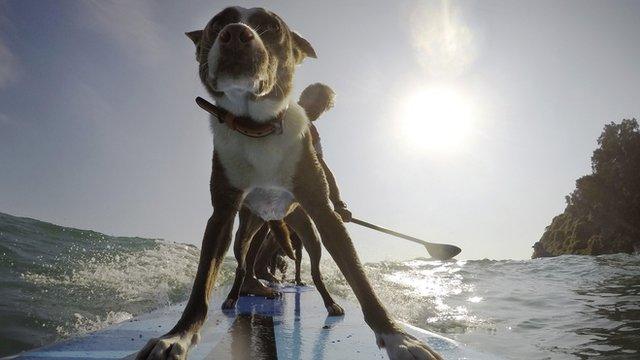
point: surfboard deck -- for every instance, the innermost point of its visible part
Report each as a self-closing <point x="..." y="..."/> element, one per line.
<point x="294" y="326"/>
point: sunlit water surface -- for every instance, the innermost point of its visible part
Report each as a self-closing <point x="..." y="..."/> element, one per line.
<point x="570" y="307"/>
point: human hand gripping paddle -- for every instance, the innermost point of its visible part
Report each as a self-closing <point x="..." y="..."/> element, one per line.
<point x="437" y="251"/>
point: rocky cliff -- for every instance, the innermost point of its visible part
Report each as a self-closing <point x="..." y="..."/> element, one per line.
<point x="603" y="212"/>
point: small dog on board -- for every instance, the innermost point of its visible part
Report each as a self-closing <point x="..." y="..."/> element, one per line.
<point x="254" y="252"/>
<point x="263" y="155"/>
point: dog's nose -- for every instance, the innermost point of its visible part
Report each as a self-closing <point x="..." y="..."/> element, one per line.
<point x="235" y="33"/>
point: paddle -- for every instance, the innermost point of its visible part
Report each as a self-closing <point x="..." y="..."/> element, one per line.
<point x="437" y="251"/>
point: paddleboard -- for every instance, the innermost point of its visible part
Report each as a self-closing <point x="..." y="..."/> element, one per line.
<point x="292" y="327"/>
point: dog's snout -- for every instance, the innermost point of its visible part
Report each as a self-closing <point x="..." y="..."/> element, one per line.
<point x="235" y="34"/>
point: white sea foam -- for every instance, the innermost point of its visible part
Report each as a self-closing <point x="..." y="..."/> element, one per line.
<point x="139" y="276"/>
<point x="113" y="287"/>
<point x="85" y="324"/>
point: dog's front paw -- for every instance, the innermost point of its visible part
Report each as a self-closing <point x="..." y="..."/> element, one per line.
<point x="174" y="347"/>
<point x="402" y="346"/>
<point x="229" y="304"/>
<point x="335" y="310"/>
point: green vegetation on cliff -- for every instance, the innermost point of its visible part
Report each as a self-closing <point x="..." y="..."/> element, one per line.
<point x="603" y="212"/>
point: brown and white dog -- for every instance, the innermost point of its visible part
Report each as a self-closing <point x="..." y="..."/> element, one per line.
<point x="247" y="59"/>
<point x="254" y="253"/>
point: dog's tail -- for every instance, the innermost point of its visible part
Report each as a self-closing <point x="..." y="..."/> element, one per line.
<point x="316" y="99"/>
<point x="281" y="234"/>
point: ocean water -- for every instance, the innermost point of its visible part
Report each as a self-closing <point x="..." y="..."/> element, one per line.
<point x="58" y="282"/>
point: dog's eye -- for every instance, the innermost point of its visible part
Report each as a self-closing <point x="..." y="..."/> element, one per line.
<point x="215" y="29"/>
<point x="272" y="28"/>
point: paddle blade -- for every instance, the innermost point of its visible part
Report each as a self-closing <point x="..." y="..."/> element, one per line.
<point x="442" y="251"/>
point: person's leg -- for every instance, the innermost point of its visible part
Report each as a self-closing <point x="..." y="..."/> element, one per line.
<point x="297" y="246"/>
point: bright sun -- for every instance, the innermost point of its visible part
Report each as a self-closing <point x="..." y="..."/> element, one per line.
<point x="437" y="119"/>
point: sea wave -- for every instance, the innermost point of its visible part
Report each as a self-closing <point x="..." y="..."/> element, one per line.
<point x="59" y="282"/>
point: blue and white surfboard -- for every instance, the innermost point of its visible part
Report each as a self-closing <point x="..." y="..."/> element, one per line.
<point x="293" y="327"/>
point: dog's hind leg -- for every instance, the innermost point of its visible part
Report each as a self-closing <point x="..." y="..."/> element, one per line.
<point x="311" y="191"/>
<point x="251" y="284"/>
<point x="273" y="268"/>
<point x="217" y="237"/>
<point x="281" y="264"/>
<point x="254" y="249"/>
<point x="248" y="227"/>
<point x="269" y="247"/>
<point x="301" y="224"/>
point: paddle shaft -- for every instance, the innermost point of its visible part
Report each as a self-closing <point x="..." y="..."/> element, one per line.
<point x="390" y="232"/>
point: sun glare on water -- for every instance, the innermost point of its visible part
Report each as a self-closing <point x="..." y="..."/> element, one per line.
<point x="437" y="119"/>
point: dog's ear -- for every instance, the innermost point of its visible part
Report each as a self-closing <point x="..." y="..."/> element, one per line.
<point x="195" y="36"/>
<point x="302" y="48"/>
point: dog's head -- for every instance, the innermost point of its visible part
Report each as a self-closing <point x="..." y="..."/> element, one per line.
<point x="248" y="52"/>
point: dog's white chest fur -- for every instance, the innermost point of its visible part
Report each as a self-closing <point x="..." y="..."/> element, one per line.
<point x="263" y="167"/>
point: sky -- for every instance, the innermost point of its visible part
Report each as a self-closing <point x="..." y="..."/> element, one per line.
<point x="461" y="122"/>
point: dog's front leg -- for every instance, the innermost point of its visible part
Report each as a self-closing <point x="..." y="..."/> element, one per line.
<point x="311" y="191"/>
<point x="217" y="237"/>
